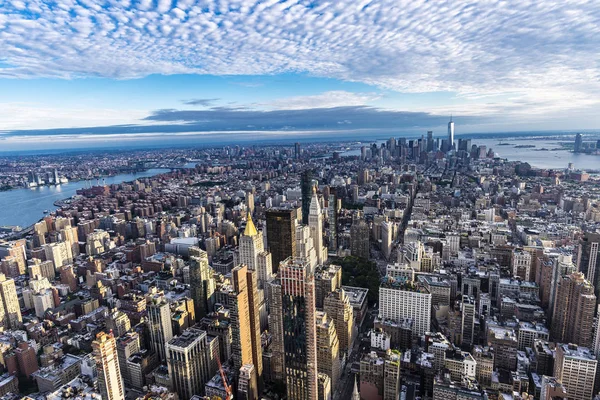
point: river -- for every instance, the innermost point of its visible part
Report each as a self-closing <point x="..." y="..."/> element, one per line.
<point x="24" y="207"/>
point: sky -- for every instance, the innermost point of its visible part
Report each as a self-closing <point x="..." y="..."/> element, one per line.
<point x="83" y="71"/>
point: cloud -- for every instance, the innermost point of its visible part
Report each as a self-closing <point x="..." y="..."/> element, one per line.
<point x="544" y="53"/>
<point x="336" y="98"/>
<point x="200" y="102"/>
<point x="223" y="119"/>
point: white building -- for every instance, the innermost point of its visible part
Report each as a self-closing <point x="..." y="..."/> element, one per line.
<point x="399" y="299"/>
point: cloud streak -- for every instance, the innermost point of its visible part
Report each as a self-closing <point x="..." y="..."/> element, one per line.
<point x="222" y="119"/>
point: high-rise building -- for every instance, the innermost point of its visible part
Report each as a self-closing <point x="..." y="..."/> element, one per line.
<point x="333" y="223"/>
<point x="328" y="278"/>
<point x="159" y="324"/>
<point x="315" y="222"/>
<point x="252" y="253"/>
<point x="107" y="364"/>
<point x="293" y="327"/>
<point x="127" y="346"/>
<point x="188" y="360"/>
<point x="328" y="347"/>
<point x="118" y="322"/>
<point x="11" y="310"/>
<point x="588" y="259"/>
<point x="451" y="134"/>
<point x="574" y="307"/>
<point x="399" y="299"/>
<point x="281" y="234"/>
<point x="468" y="320"/>
<point x="297" y="150"/>
<point x="380" y="376"/>
<point x="578" y="143"/>
<point x="305" y="246"/>
<point x="201" y="282"/>
<point x="337" y="306"/>
<point x="575" y="367"/>
<point x="306" y="186"/>
<point x="359" y="239"/>
<point x="244" y="314"/>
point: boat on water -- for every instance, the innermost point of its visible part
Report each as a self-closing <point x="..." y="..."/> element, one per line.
<point x="45" y="211"/>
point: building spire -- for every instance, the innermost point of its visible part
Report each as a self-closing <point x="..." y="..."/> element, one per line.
<point x="250" y="229"/>
<point x="355" y="394"/>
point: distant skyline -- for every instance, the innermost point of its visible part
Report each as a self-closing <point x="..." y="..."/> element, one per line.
<point x="88" y="71"/>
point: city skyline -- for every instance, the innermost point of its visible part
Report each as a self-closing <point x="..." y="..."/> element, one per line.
<point x="146" y="70"/>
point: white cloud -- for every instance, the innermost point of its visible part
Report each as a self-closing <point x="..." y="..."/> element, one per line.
<point x="15" y="116"/>
<point x="541" y="54"/>
<point x="334" y="98"/>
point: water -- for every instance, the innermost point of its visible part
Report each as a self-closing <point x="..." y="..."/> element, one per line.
<point x="552" y="159"/>
<point x="24" y="207"/>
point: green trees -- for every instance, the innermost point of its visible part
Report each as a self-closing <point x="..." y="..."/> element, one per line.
<point x="360" y="273"/>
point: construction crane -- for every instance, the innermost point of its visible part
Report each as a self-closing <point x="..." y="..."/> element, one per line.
<point x="229" y="395"/>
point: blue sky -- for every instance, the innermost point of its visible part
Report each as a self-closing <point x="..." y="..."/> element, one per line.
<point x="72" y="69"/>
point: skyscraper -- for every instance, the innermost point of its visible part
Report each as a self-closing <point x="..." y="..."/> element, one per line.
<point x="315" y="222"/>
<point x="188" y="360"/>
<point x="201" y="282"/>
<point x="252" y="252"/>
<point x="246" y="345"/>
<point x="307" y="190"/>
<point x="588" y="258"/>
<point x="359" y="239"/>
<point x="294" y="329"/>
<point x="578" y="143"/>
<point x="107" y="364"/>
<point x="328" y="348"/>
<point x="337" y="306"/>
<point x="9" y="303"/>
<point x="574" y="307"/>
<point x="281" y="234"/>
<point x="451" y="134"/>
<point x="159" y="324"/>
<point x="575" y="367"/>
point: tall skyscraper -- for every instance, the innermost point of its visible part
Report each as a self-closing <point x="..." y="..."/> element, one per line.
<point x="294" y="329"/>
<point x="305" y="246"/>
<point x="281" y="234"/>
<point x="11" y="312"/>
<point x="588" y="258"/>
<point x="575" y="367"/>
<point x="107" y="364"/>
<point x="328" y="348"/>
<point x="297" y="150"/>
<point x="337" y="306"/>
<point x="315" y="222"/>
<point x="252" y="253"/>
<point x="359" y="239"/>
<point x="578" y="143"/>
<point x="307" y="190"/>
<point x="333" y="222"/>
<point x="201" y="282"/>
<point x="574" y="307"/>
<point x="159" y="324"/>
<point x="451" y="134"/>
<point x="246" y="345"/>
<point x="188" y="360"/>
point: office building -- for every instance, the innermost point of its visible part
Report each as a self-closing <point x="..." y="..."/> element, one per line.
<point x="328" y="349"/>
<point x="245" y="345"/>
<point x="201" y="282"/>
<point x="252" y="253"/>
<point x="110" y="382"/>
<point x="359" y="239"/>
<point x="159" y="324"/>
<point x="574" y="308"/>
<point x="399" y="299"/>
<point x="588" y="258"/>
<point x="189" y="362"/>
<point x="576" y="367"/>
<point x="9" y="303"/>
<point x="578" y="147"/>
<point x="127" y="346"/>
<point x="293" y="327"/>
<point x="337" y="306"/>
<point x="281" y="234"/>
<point x="307" y="191"/>
<point x="315" y="223"/>
<point x="450" y="134"/>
